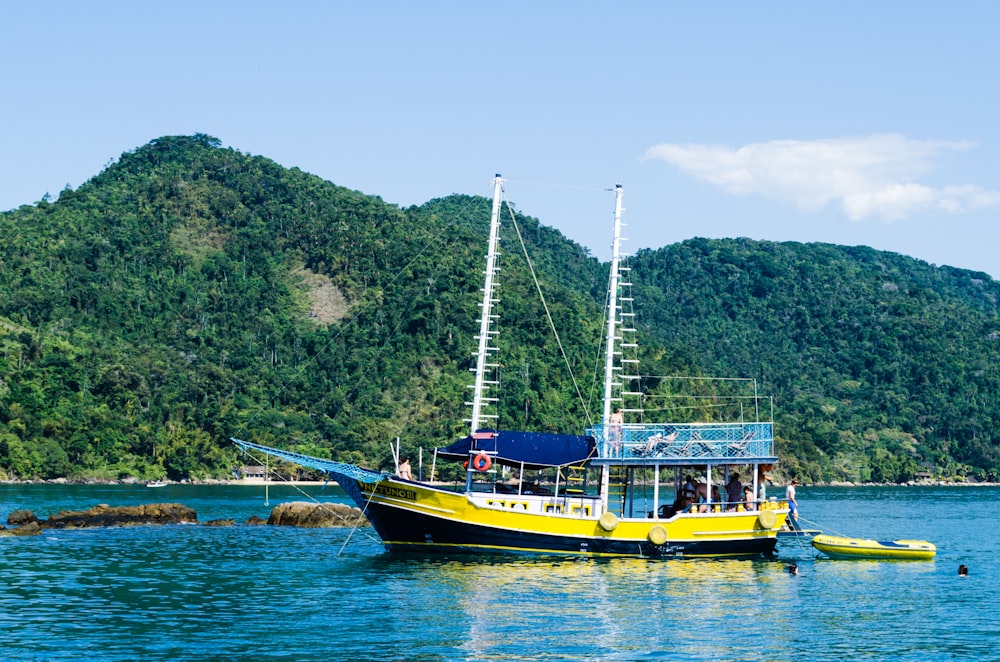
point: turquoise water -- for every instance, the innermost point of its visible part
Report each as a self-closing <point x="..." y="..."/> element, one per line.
<point x="267" y="593"/>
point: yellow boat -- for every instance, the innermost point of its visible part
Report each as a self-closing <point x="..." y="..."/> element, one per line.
<point x="837" y="547"/>
<point x="581" y="494"/>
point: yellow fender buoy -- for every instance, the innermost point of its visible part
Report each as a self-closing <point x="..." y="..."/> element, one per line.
<point x="608" y="521"/>
<point x="658" y="535"/>
<point x="767" y="519"/>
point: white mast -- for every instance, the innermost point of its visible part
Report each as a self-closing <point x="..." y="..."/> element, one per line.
<point x="486" y="330"/>
<point x="613" y="321"/>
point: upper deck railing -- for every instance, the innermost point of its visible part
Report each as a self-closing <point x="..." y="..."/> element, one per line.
<point x="646" y="443"/>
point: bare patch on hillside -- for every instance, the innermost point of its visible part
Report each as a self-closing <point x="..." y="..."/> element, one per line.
<point x="327" y="304"/>
<point x="197" y="238"/>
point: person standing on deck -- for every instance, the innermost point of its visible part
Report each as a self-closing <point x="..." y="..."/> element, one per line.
<point x="761" y="486"/>
<point x="734" y="491"/>
<point x="405" y="472"/>
<point x="615" y="422"/>
<point x="793" y="505"/>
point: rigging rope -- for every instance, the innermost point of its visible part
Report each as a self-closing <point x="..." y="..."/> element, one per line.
<point x="244" y="447"/>
<point x="328" y="466"/>
<point x="548" y="315"/>
<point x="356" y="525"/>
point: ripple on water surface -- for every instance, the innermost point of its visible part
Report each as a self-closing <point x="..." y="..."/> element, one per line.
<point x="252" y="593"/>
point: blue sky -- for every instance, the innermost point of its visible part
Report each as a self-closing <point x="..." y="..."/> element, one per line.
<point x="852" y="123"/>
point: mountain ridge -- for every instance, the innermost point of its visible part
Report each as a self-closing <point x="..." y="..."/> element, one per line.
<point x="189" y="293"/>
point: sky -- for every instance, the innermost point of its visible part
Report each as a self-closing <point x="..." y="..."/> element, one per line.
<point x="853" y="123"/>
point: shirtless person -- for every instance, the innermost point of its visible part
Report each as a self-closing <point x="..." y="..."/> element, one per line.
<point x="615" y="422"/>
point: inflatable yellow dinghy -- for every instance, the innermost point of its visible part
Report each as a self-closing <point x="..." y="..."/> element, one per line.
<point x="856" y="548"/>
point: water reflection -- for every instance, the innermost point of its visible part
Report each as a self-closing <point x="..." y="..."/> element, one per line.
<point x="250" y="593"/>
<point x="629" y="606"/>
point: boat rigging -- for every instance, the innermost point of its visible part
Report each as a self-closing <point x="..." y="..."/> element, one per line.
<point x="567" y="515"/>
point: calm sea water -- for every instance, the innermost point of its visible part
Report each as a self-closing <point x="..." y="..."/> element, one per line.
<point x="268" y="593"/>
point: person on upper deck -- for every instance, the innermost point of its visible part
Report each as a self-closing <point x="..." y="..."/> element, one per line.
<point x="615" y="422"/>
<point x="656" y="441"/>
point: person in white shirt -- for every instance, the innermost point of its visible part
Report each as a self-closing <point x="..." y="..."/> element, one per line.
<point x="793" y="505"/>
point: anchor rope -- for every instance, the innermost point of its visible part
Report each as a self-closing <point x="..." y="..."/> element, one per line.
<point x="357" y="524"/>
<point x="819" y="526"/>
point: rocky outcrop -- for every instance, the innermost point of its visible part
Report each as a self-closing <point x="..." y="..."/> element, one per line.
<point x="105" y="515"/>
<point x="28" y="529"/>
<point x="21" y="517"/>
<point x="316" y="515"/>
<point x="296" y="513"/>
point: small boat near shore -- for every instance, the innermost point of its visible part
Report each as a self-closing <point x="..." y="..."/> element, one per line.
<point x="157" y="483"/>
<point x="837" y="547"/>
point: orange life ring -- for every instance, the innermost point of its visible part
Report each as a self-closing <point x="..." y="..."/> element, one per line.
<point x="482" y="462"/>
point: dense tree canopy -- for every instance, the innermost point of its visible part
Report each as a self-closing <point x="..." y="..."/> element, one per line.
<point x="189" y="293"/>
<point x="884" y="366"/>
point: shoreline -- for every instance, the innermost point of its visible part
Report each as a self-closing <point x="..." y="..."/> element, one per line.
<point x="259" y="482"/>
<point x="255" y="482"/>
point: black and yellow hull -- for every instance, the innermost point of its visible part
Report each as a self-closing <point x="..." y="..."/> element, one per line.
<point x="421" y="518"/>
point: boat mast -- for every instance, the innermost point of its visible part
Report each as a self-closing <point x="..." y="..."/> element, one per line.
<point x="610" y="344"/>
<point x="613" y="321"/>
<point x="486" y="322"/>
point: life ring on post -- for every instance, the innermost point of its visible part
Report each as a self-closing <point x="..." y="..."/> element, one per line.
<point x="482" y="462"/>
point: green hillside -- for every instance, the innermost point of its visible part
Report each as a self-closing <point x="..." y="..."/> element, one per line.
<point x="883" y="366"/>
<point x="189" y="293"/>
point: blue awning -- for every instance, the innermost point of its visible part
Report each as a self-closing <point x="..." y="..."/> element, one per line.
<point x="535" y="450"/>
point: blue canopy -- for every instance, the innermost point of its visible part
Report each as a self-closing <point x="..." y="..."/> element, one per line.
<point x="535" y="449"/>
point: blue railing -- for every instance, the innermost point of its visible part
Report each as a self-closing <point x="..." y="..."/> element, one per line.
<point x="694" y="441"/>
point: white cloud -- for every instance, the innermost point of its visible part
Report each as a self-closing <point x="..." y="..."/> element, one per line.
<point x="872" y="176"/>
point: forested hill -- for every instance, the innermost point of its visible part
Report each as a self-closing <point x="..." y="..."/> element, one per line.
<point x="189" y="293"/>
<point x="884" y="366"/>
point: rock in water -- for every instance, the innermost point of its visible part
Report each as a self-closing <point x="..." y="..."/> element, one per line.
<point x="21" y="517"/>
<point x="104" y="515"/>
<point x="29" y="529"/>
<point x="316" y="515"/>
